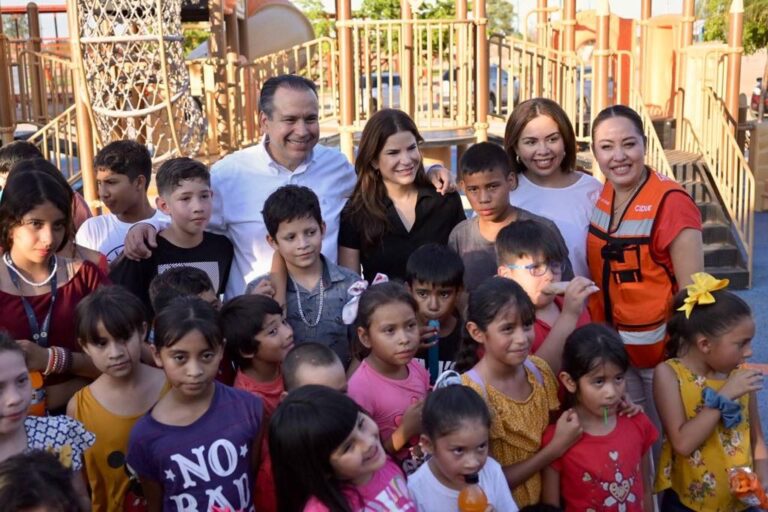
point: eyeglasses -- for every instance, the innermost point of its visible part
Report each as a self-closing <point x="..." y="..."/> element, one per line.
<point x="540" y="268"/>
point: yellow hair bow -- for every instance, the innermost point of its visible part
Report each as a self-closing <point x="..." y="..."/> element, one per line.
<point x="700" y="291"/>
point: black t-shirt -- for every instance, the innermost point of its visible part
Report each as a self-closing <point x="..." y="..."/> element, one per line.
<point x="213" y="256"/>
<point x="436" y="216"/>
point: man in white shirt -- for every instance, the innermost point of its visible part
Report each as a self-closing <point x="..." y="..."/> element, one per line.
<point x="288" y="154"/>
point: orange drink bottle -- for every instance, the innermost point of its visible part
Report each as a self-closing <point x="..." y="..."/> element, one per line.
<point x="38" y="405"/>
<point x="472" y="498"/>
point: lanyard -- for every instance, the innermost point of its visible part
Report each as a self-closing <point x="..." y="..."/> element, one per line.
<point x="39" y="334"/>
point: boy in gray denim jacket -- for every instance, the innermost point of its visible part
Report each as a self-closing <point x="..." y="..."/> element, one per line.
<point x="316" y="288"/>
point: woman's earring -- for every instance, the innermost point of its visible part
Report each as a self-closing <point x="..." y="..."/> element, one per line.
<point x="517" y="158"/>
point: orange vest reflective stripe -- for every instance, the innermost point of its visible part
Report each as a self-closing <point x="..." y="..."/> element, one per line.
<point x="636" y="291"/>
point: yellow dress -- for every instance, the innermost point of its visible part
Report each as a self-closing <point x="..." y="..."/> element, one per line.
<point x="517" y="426"/>
<point x="105" y="460"/>
<point x="701" y="479"/>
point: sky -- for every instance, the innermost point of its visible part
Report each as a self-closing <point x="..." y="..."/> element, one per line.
<point x="623" y="8"/>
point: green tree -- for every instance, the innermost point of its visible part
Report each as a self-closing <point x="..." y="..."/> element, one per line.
<point x="379" y="10"/>
<point x="500" y="16"/>
<point x="193" y="37"/>
<point x="715" y="14"/>
<point x="438" y="10"/>
<point x="321" y="21"/>
<point x="15" y="26"/>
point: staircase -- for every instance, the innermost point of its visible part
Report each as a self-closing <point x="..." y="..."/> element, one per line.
<point x="723" y="255"/>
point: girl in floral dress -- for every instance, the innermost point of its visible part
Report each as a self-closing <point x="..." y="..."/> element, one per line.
<point x="61" y="436"/>
<point x="711" y="424"/>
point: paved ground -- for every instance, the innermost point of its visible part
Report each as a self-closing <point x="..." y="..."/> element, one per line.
<point x="757" y="298"/>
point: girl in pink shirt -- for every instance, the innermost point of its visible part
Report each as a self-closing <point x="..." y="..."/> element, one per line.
<point x="389" y="384"/>
<point x="327" y="456"/>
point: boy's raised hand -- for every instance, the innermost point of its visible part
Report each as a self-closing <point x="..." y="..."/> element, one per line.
<point x="428" y="336"/>
<point x="576" y="294"/>
<point x="567" y="430"/>
<point x="264" y="287"/>
<point x="412" y="419"/>
<point x="628" y="408"/>
<point x="139" y="241"/>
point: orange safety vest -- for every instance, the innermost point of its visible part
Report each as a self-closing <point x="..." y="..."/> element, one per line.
<point x="636" y="290"/>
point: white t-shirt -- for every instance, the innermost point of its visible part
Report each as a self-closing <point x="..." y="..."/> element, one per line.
<point x="570" y="208"/>
<point x="241" y="184"/>
<point x="432" y="496"/>
<point x="106" y="233"/>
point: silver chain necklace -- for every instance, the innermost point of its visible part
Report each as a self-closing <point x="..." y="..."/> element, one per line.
<point x="11" y="266"/>
<point x="319" y="306"/>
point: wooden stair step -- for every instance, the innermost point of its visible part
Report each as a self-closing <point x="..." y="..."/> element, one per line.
<point x="680" y="157"/>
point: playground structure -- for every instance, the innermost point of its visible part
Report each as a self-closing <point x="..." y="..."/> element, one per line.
<point x="123" y="76"/>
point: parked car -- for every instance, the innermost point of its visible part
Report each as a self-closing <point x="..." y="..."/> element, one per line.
<point x="585" y="100"/>
<point x="754" y="104"/>
<point x="388" y="81"/>
<point x="494" y="89"/>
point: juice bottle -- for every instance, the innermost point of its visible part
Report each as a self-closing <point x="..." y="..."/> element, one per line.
<point x="472" y="498"/>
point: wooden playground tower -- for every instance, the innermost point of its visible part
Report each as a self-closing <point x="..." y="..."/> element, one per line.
<point x="125" y="76"/>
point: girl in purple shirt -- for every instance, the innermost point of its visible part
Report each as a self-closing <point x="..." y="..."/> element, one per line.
<point x="198" y="447"/>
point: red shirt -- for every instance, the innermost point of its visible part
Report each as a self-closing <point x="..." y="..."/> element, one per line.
<point x="603" y="472"/>
<point x="678" y="212"/>
<point x="62" y="328"/>
<point x="541" y="329"/>
<point x="80" y="210"/>
<point x="264" y="494"/>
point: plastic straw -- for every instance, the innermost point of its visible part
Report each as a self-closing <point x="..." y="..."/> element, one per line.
<point x="605" y="415"/>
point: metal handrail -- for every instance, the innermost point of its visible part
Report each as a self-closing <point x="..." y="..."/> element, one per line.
<point x="43" y="84"/>
<point x="316" y="60"/>
<point x="439" y="91"/>
<point x="730" y="172"/>
<point x="58" y="142"/>
<point x="655" y="156"/>
<point x="531" y="72"/>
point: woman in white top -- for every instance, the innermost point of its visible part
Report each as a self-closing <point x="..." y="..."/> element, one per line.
<point x="541" y="145"/>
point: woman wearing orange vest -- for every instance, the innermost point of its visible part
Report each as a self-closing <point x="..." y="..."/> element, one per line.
<point x="644" y="243"/>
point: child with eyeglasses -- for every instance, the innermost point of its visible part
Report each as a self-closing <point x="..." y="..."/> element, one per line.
<point x="527" y="255"/>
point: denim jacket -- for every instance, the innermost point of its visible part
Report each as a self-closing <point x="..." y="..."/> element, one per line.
<point x="331" y="330"/>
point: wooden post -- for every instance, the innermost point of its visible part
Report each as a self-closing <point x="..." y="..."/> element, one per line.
<point x="461" y="9"/>
<point x="408" y="86"/>
<point x="541" y="23"/>
<point x="217" y="43"/>
<point x="7" y="105"/>
<point x="569" y="25"/>
<point x="460" y="78"/>
<point x="347" y="78"/>
<point x="39" y="101"/>
<point x="645" y="16"/>
<point x="482" y="85"/>
<point x="735" y="50"/>
<point x="234" y="94"/>
<point x="83" y="118"/>
<point x="600" y="56"/>
<point x="686" y="39"/>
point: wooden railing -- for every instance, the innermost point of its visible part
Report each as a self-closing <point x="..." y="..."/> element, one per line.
<point x="237" y="116"/>
<point x="655" y="156"/>
<point x="42" y="82"/>
<point x="439" y="89"/>
<point x="730" y="172"/>
<point x="58" y="141"/>
<point x="532" y="71"/>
